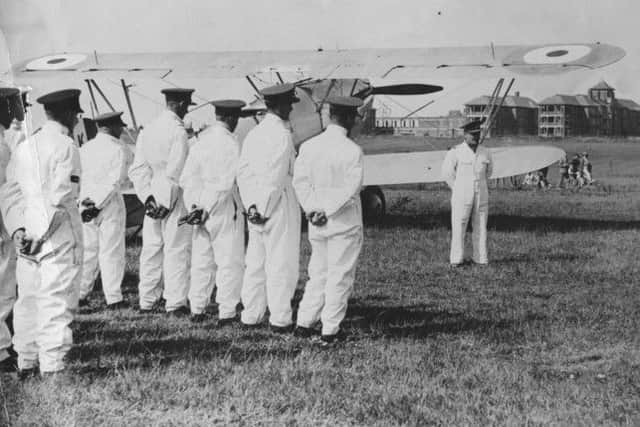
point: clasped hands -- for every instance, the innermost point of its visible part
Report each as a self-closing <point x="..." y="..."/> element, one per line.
<point x="197" y="216"/>
<point x="154" y="210"/>
<point x="89" y="210"/>
<point x="24" y="244"/>
<point x="317" y="218"/>
<point x="255" y="217"/>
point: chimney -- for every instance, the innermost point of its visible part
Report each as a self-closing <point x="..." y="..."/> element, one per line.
<point x="517" y="94"/>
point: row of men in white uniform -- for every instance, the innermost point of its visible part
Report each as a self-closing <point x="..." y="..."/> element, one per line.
<point x="195" y="200"/>
<point x="219" y="181"/>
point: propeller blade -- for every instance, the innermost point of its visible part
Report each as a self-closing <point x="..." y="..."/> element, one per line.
<point x="399" y="89"/>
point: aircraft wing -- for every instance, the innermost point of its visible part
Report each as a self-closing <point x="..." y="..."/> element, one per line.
<point x="356" y="63"/>
<point x="425" y="166"/>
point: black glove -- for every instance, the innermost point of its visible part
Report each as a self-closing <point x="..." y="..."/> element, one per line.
<point x="162" y="212"/>
<point x="195" y="217"/>
<point x="89" y="214"/>
<point x="254" y="217"/>
<point x="317" y="218"/>
<point x="150" y="207"/>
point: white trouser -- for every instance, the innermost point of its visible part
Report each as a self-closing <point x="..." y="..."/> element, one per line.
<point x="7" y="291"/>
<point x="332" y="269"/>
<point x="272" y="264"/>
<point x="47" y="296"/>
<point x="104" y="246"/>
<point x="165" y="254"/>
<point x="218" y="244"/>
<point x="461" y="210"/>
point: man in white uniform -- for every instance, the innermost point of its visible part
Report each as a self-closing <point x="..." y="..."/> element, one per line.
<point x="161" y="151"/>
<point x="47" y="172"/>
<point x="264" y="179"/>
<point x="327" y="178"/>
<point x="105" y="163"/>
<point x="211" y="192"/>
<point x="7" y="252"/>
<point x="466" y="168"/>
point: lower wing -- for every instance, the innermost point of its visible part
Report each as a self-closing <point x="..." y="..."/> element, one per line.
<point x="425" y="167"/>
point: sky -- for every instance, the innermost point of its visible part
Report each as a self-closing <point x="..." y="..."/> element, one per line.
<point x="46" y="26"/>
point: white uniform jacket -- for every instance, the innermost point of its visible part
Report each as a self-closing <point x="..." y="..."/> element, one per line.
<point x="161" y="151"/>
<point x="209" y="175"/>
<point x="47" y="169"/>
<point x="105" y="162"/>
<point x="266" y="164"/>
<point x="328" y="177"/>
<point x="466" y="173"/>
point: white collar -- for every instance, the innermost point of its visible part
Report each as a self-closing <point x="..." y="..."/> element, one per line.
<point x="56" y="127"/>
<point x="337" y="129"/>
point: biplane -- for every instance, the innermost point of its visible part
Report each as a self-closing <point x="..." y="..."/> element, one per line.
<point x="320" y="74"/>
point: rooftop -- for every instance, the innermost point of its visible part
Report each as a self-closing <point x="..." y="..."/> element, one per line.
<point x="602" y="85"/>
<point x="510" y="101"/>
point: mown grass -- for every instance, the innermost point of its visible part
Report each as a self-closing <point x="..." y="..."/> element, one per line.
<point x="548" y="333"/>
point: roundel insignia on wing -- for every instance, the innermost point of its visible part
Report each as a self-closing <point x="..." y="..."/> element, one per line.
<point x="62" y="61"/>
<point x="556" y="54"/>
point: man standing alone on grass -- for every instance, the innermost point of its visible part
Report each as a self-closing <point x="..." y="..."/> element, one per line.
<point x="105" y="162"/>
<point x="161" y="151"/>
<point x="327" y="178"/>
<point x="211" y="192"/>
<point x="264" y="178"/>
<point x="466" y="169"/>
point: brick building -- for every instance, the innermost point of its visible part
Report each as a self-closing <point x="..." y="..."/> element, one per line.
<point x="517" y="116"/>
<point x="599" y="113"/>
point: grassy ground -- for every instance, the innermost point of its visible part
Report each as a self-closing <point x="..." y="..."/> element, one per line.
<point x="548" y="333"/>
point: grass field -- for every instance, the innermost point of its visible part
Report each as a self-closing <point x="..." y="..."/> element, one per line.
<point x="548" y="333"/>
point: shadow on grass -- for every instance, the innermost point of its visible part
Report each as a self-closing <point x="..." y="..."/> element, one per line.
<point x="509" y="223"/>
<point x="417" y="322"/>
<point x="129" y="351"/>
<point x="526" y="258"/>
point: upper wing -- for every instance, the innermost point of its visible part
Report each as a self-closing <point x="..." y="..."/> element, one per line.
<point x="396" y="63"/>
<point x="425" y="167"/>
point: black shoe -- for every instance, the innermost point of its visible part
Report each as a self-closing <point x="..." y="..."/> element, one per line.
<point x="250" y="326"/>
<point x="302" y="332"/>
<point x="181" y="311"/>
<point x="197" y="317"/>
<point x="155" y="308"/>
<point x="10" y="364"/>
<point x="281" y="329"/>
<point x="117" y="305"/>
<point x="27" y="374"/>
<point x="227" y="321"/>
<point x="328" y="340"/>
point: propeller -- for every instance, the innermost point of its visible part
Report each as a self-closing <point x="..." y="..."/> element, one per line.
<point x="399" y="89"/>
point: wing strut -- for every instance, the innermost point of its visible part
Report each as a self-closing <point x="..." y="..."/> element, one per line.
<point x="492" y="109"/>
<point x="253" y="85"/>
<point x="94" y="104"/>
<point x="125" y="88"/>
<point x="95" y="85"/>
<point x="418" y="109"/>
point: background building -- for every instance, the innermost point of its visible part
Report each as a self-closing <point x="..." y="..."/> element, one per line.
<point x="517" y="116"/>
<point x="599" y="113"/>
<point x="441" y="127"/>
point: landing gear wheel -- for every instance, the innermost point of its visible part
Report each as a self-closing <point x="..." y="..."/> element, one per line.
<point x="374" y="205"/>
